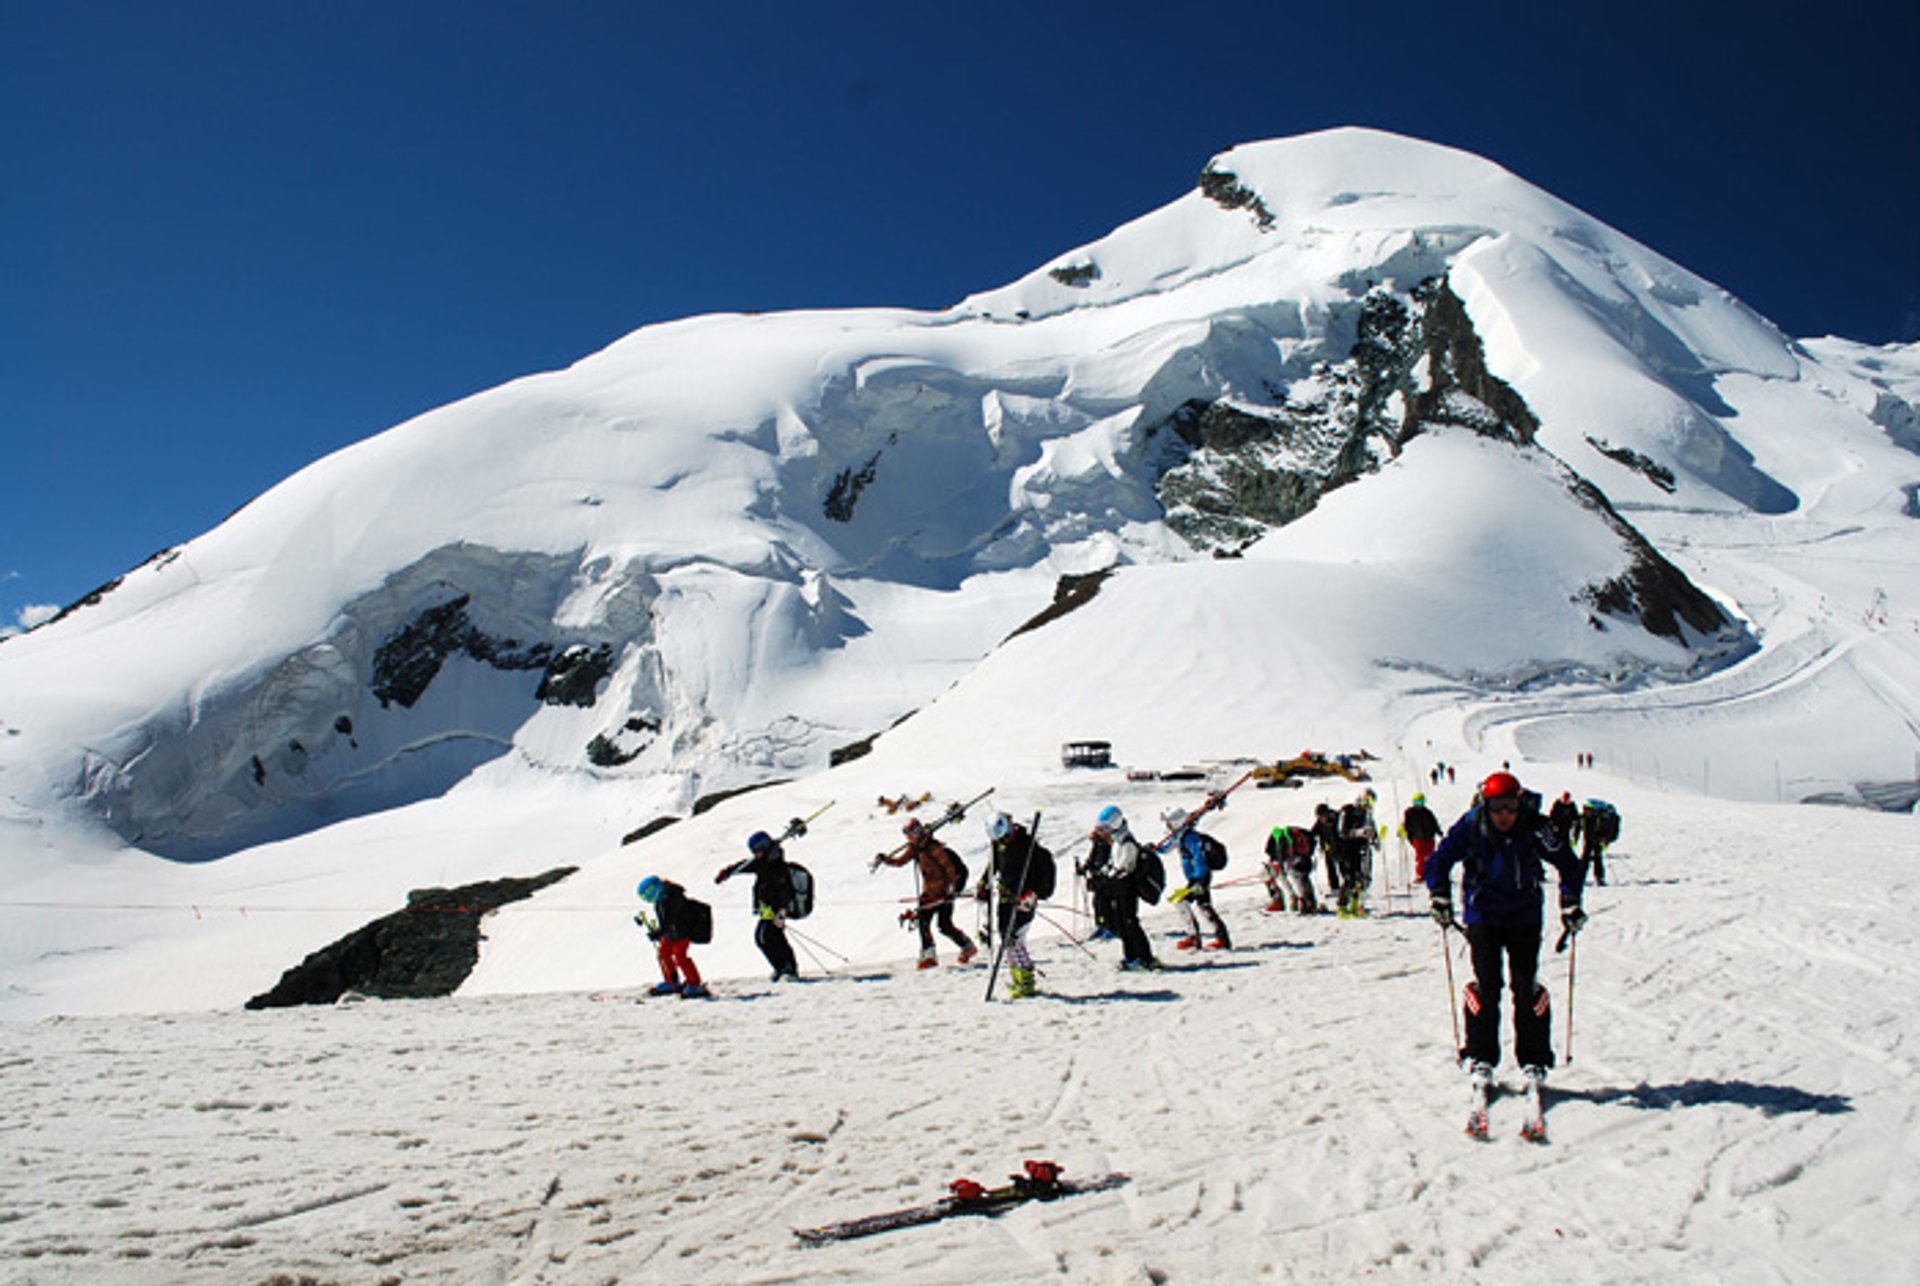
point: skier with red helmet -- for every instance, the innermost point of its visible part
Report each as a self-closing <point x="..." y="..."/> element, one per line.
<point x="1502" y="846"/>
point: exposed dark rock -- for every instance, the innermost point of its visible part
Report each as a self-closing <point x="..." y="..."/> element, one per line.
<point x="1651" y="590"/>
<point x="640" y="833"/>
<point x="718" y="797"/>
<point x="1079" y="275"/>
<point x="1224" y="188"/>
<point x="851" y="751"/>
<point x="1457" y="364"/>
<point x="846" y="489"/>
<point x="426" y="950"/>
<point x="573" y="678"/>
<point x="1069" y="592"/>
<point x="1653" y="471"/>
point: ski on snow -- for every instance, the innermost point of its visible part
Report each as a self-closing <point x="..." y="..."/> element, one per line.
<point x="1533" y="1128"/>
<point x="1040" y="1182"/>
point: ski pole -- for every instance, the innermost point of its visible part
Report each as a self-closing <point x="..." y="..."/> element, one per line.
<point x="1453" y="1007"/>
<point x="1573" y="953"/>
<point x="823" y="946"/>
<point x="1067" y="933"/>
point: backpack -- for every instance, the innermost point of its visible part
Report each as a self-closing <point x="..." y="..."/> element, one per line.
<point x="800" y="900"/>
<point x="1212" y="850"/>
<point x="960" y="873"/>
<point x="1040" y="871"/>
<point x="1149" y="876"/>
<point x="1608" y="822"/>
<point x="699" y="922"/>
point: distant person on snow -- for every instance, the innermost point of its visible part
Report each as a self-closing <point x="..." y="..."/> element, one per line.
<point x="1421" y="829"/>
<point x="772" y="894"/>
<point x="672" y="932"/>
<point x="1502" y="846"/>
<point x="1116" y="889"/>
<point x="1599" y="827"/>
<point x="1196" y="899"/>
<point x="941" y="877"/>
<point x="1022" y="873"/>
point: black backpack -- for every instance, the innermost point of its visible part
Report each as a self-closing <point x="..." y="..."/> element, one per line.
<point x="1149" y="876"/>
<point x="960" y="873"/>
<point x="800" y="899"/>
<point x="1608" y="821"/>
<point x="1040" y="871"/>
<point x="699" y="922"/>
<point x="1212" y="850"/>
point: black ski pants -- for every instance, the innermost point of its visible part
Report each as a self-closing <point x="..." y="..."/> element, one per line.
<point x="773" y="944"/>
<point x="1519" y="951"/>
<point x="941" y="913"/>
<point x="1117" y="907"/>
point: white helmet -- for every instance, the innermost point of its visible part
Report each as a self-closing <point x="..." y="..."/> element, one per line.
<point x="1175" y="818"/>
<point x="998" y="826"/>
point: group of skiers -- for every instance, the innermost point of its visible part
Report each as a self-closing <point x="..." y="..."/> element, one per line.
<point x="1501" y="845"/>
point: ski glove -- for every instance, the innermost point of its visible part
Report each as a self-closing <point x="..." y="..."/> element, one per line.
<point x="1443" y="913"/>
<point x="1572" y="918"/>
<point x="1029" y="900"/>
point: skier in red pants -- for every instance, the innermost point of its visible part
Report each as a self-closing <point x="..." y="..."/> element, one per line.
<point x="673" y="933"/>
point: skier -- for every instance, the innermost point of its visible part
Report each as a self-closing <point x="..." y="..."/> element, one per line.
<point x="772" y="894"/>
<point x="1564" y="816"/>
<point x="942" y="878"/>
<point x="1599" y="827"/>
<point x="1196" y="899"/>
<point x="672" y="933"/>
<point x="1116" y="888"/>
<point x="1420" y="828"/>
<point x="1501" y="846"/>
<point x="1022" y="873"/>
<point x="1355" y="849"/>
<point x="1326" y="833"/>
<point x="1289" y="872"/>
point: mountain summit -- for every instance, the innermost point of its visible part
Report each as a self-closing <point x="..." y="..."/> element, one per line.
<point x="1357" y="425"/>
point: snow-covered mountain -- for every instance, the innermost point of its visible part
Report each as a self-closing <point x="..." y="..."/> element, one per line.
<point x="1362" y="443"/>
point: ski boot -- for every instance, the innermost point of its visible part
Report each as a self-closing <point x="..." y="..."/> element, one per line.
<point x="695" y="991"/>
<point x="1187" y="944"/>
<point x="1219" y="944"/>
<point x="1534" y="1128"/>
<point x="664" y="989"/>
<point x="1020" y="983"/>
<point x="1480" y="1078"/>
<point x="967" y="953"/>
<point x="928" y="961"/>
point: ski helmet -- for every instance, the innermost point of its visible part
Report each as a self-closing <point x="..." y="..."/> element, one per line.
<point x="999" y="826"/>
<point x="1175" y="818"/>
<point x="1112" y="820"/>
<point x="913" y="829"/>
<point x="1420" y="799"/>
<point x="1501" y="785"/>
<point x="759" y="842"/>
<point x="651" y="888"/>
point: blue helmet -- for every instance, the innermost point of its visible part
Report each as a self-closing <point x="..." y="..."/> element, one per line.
<point x="1112" y="820"/>
<point x="759" y="842"/>
<point x="651" y="888"/>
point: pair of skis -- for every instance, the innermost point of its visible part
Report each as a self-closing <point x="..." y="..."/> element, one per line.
<point x="1533" y="1128"/>
<point x="1038" y="1181"/>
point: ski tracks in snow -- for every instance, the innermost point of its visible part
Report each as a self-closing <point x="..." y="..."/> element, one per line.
<point x="1739" y="1107"/>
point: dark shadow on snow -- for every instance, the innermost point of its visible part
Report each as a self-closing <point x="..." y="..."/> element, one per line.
<point x="1771" y="1100"/>
<point x="1101" y="998"/>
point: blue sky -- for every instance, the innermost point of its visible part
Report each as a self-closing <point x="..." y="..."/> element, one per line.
<point x="235" y="237"/>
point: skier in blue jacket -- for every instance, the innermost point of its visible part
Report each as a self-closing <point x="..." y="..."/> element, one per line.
<point x="1196" y="899"/>
<point x="1502" y="846"/>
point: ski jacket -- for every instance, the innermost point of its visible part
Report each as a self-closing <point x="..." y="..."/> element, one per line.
<point x="1501" y="876"/>
<point x="1420" y="823"/>
<point x="772" y="878"/>
<point x="1123" y="858"/>
<point x="675" y="920"/>
<point x="1563" y="817"/>
<point x="1193" y="859"/>
<point x="1019" y="852"/>
<point x="939" y="868"/>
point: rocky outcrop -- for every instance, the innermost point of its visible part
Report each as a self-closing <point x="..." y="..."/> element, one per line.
<point x="428" y="949"/>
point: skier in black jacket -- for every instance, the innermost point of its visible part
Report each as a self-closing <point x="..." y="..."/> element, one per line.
<point x="1502" y="846"/>
<point x="1022" y="872"/>
<point x="772" y="894"/>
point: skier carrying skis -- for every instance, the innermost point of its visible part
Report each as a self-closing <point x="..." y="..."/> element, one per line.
<point x="672" y="933"/>
<point x="772" y="894"/>
<point x="1022" y="873"/>
<point x="941" y="880"/>
<point x="1196" y="899"/>
<point x="1421" y="829"/>
<point x="1502" y="846"/>
<point x="1116" y="888"/>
